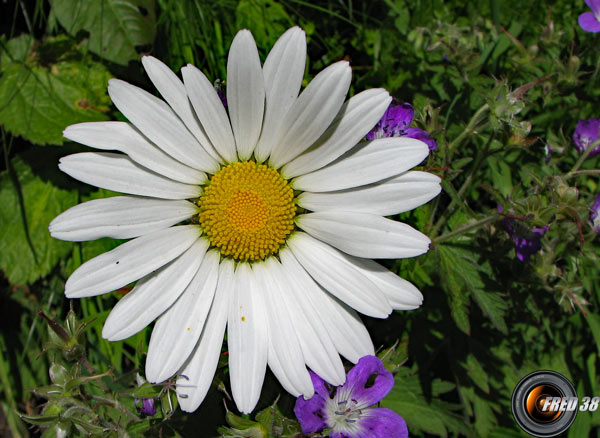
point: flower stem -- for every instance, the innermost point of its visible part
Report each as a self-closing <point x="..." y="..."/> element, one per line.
<point x="583" y="172"/>
<point x="481" y="156"/>
<point x="468" y="227"/>
<point x="470" y="127"/>
<point x="582" y="157"/>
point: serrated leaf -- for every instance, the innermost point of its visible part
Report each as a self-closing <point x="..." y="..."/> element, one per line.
<point x="115" y="27"/>
<point x="463" y="274"/>
<point x="458" y="298"/>
<point x="27" y="252"/>
<point x="493" y="306"/>
<point x="42" y="92"/>
<point x="477" y="373"/>
<point x="408" y="401"/>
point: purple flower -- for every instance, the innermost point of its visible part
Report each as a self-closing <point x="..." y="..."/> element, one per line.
<point x="587" y="132"/>
<point x="590" y="21"/>
<point x="527" y="242"/>
<point x="595" y="214"/>
<point x="348" y="412"/>
<point x="395" y="123"/>
<point x="145" y="406"/>
<point x="547" y="153"/>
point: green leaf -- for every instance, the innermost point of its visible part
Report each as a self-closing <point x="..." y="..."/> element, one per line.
<point x="493" y="306"/>
<point x="477" y="373"/>
<point x="115" y="27"/>
<point x="266" y="19"/>
<point x="29" y="203"/>
<point x="407" y="400"/>
<point x="458" y="298"/>
<point x="43" y="91"/>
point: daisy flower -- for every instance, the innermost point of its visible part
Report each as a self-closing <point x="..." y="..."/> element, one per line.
<point x="261" y="220"/>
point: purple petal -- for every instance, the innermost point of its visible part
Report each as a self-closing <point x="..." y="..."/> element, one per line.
<point x="398" y="117"/>
<point x="587" y="133"/>
<point x="394" y="122"/>
<point x="310" y="412"/>
<point x="382" y="423"/>
<point x="589" y="23"/>
<point x="358" y="376"/>
<point x="419" y="134"/>
<point x="145" y="406"/>
<point x="594" y="6"/>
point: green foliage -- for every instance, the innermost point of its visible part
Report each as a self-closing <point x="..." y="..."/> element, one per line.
<point x="115" y="28"/>
<point x="44" y="87"/>
<point x="432" y="416"/>
<point x="27" y="252"/>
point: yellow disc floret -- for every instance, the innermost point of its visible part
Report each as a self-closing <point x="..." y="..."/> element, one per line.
<point x="247" y="210"/>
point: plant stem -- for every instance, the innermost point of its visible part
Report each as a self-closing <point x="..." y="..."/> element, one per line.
<point x="466" y="228"/>
<point x="470" y="127"/>
<point x="466" y="184"/>
<point x="583" y="156"/>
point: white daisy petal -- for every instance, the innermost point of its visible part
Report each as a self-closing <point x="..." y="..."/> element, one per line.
<point x="391" y="196"/>
<point x="283" y="72"/>
<point x="130" y="261"/>
<point x="121" y="217"/>
<point x="401" y="294"/>
<point x="118" y="173"/>
<point x="318" y="349"/>
<point x="171" y="88"/>
<point x="285" y="353"/>
<point x="245" y="92"/>
<point x="342" y="324"/>
<point x="376" y="160"/>
<point x="157" y="121"/>
<point x="121" y="136"/>
<point x="177" y="331"/>
<point x="197" y="374"/>
<point x="153" y="294"/>
<point x="355" y="119"/>
<point x="246" y="335"/>
<point x="332" y="270"/>
<point x="210" y="111"/>
<point x="311" y="113"/>
<point x="364" y="234"/>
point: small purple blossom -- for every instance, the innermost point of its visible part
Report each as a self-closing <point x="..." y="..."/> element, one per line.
<point x="587" y="132"/>
<point x="590" y="21"/>
<point x="527" y="241"/>
<point x="547" y="153"/>
<point x="595" y="214"/>
<point x="145" y="406"/>
<point x="395" y="123"/>
<point x="348" y="412"/>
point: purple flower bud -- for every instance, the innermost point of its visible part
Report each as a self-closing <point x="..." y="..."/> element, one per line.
<point x="587" y="132"/>
<point x="595" y="214"/>
<point x="547" y="153"/>
<point x="590" y="21"/>
<point x="145" y="406"/>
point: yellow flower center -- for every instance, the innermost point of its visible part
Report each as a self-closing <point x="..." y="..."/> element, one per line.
<point x="247" y="210"/>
